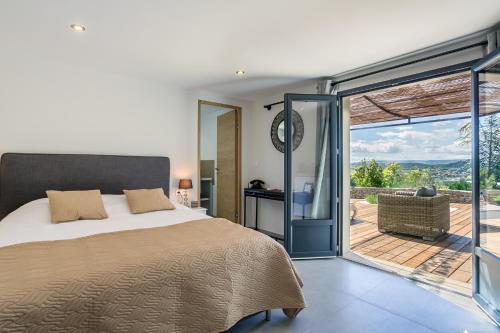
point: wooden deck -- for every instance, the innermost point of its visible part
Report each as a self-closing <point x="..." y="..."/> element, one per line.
<point x="449" y="256"/>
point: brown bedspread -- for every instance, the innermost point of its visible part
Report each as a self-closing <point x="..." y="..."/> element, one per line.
<point x="198" y="276"/>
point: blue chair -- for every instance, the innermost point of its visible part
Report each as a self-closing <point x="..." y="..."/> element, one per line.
<point x="303" y="199"/>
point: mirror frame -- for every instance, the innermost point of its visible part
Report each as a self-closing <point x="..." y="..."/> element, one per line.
<point x="298" y="130"/>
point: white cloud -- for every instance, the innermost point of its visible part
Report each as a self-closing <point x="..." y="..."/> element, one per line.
<point x="405" y="134"/>
<point x="452" y="151"/>
<point x="378" y="146"/>
<point x="446" y="131"/>
<point x="421" y="142"/>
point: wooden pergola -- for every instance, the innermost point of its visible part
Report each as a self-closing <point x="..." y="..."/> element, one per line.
<point x="434" y="97"/>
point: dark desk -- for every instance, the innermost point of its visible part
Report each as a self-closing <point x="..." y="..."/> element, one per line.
<point x="261" y="194"/>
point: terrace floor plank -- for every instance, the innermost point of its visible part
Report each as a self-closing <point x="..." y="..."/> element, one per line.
<point x="448" y="256"/>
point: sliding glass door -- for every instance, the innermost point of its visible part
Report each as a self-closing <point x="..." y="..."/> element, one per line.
<point x="486" y="183"/>
<point x="311" y="190"/>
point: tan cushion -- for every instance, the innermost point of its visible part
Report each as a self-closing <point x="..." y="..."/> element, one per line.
<point x="76" y="205"/>
<point x="143" y="201"/>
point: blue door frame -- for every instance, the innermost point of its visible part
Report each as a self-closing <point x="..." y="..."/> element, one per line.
<point x="311" y="238"/>
<point x="480" y="254"/>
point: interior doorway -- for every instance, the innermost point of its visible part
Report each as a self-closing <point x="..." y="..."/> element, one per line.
<point x="219" y="159"/>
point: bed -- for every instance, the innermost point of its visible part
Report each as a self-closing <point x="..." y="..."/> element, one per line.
<point x="166" y="271"/>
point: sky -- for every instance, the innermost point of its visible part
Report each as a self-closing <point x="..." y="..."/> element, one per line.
<point x="430" y="141"/>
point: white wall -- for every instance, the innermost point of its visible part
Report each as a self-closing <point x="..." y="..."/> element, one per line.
<point x="58" y="109"/>
<point x="52" y="108"/>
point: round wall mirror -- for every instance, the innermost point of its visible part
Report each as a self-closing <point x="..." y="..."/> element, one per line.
<point x="281" y="131"/>
<point x="278" y="131"/>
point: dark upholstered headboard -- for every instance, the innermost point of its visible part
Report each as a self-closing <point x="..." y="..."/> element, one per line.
<point x="26" y="177"/>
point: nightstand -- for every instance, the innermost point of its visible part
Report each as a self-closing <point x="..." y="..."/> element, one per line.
<point x="201" y="210"/>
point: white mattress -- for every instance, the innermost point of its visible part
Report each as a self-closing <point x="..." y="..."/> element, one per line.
<point x="31" y="222"/>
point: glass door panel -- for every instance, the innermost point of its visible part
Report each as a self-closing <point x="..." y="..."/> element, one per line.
<point x="489" y="159"/>
<point x="310" y="191"/>
<point x="486" y="162"/>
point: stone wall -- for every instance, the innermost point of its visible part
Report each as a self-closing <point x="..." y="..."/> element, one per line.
<point x="455" y="195"/>
<point x="490" y="195"/>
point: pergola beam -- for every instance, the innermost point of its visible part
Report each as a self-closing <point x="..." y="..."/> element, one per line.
<point x="385" y="109"/>
<point x="410" y="123"/>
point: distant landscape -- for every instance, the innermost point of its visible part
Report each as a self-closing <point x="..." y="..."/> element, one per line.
<point x="452" y="174"/>
<point x="426" y="154"/>
<point x="417" y="162"/>
<point x="440" y="170"/>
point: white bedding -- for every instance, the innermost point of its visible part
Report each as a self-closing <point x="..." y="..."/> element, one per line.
<point x="31" y="222"/>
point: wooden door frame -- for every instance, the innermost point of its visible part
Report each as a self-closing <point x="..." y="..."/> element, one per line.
<point x="238" y="150"/>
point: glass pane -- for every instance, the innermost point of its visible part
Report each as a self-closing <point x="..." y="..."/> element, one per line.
<point x="311" y="161"/>
<point x="489" y="158"/>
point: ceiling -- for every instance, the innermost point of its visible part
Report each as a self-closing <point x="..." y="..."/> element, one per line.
<point x="200" y="44"/>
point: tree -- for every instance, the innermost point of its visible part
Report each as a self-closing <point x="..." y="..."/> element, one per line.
<point x="466" y="134"/>
<point x="485" y="181"/>
<point x="374" y="174"/>
<point x="359" y="173"/>
<point x="489" y="143"/>
<point x="460" y="185"/>
<point x="489" y="147"/>
<point x="368" y="174"/>
<point x="393" y="174"/>
<point x="418" y="178"/>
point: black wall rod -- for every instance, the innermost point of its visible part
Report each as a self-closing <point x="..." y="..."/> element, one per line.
<point x="269" y="106"/>
<point x="334" y="83"/>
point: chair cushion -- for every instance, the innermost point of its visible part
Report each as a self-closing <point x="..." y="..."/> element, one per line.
<point x="426" y="192"/>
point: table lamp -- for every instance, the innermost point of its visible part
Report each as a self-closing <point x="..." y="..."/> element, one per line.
<point x="184" y="185"/>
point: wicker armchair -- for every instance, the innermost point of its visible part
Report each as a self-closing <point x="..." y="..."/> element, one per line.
<point x="426" y="217"/>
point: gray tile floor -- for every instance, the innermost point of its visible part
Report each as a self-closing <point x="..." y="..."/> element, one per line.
<point x="345" y="297"/>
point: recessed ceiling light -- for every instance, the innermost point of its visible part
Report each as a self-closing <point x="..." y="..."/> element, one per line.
<point x="77" y="27"/>
<point x="240" y="72"/>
